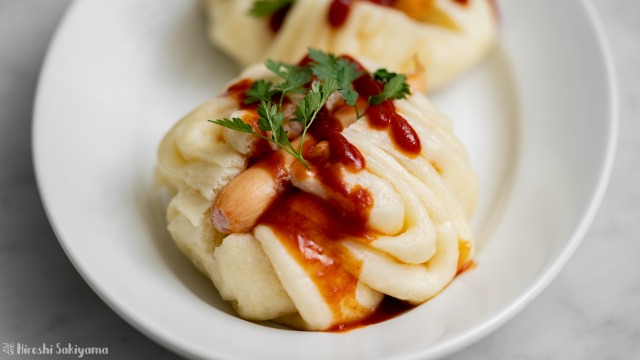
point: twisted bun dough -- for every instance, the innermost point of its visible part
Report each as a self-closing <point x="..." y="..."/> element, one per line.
<point x="417" y="236"/>
<point x="447" y="37"/>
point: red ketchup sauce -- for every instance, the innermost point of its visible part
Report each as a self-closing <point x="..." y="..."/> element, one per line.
<point x="277" y="19"/>
<point x="338" y="12"/>
<point x="237" y="91"/>
<point x="327" y="128"/>
<point x="389" y="308"/>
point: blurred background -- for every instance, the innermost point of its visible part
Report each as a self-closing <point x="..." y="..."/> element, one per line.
<point x="590" y="311"/>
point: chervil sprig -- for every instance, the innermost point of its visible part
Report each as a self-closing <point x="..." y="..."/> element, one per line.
<point x="395" y="86"/>
<point x="312" y="103"/>
<point x="270" y="120"/>
<point x="235" y="124"/>
<point x="260" y="90"/>
<point x="295" y="78"/>
<point x="344" y="72"/>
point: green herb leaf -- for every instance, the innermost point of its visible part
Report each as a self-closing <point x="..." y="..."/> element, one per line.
<point x="234" y="124"/>
<point x="312" y="103"/>
<point x="325" y="89"/>
<point x="346" y="73"/>
<point x="395" y="86"/>
<point x="327" y="66"/>
<point x="260" y="90"/>
<point x="306" y="107"/>
<point x="266" y="8"/>
<point x="384" y="75"/>
<point x="270" y="118"/>
<point x="295" y="77"/>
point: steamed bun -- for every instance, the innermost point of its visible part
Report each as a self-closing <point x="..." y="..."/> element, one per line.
<point x="345" y="234"/>
<point x="445" y="36"/>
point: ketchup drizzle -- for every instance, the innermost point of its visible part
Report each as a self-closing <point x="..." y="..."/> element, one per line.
<point x="277" y="19"/>
<point x="338" y="12"/>
<point x="237" y="90"/>
<point x="384" y="116"/>
<point x="327" y="128"/>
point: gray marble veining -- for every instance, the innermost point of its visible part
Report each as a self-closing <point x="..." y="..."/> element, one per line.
<point x="590" y="311"/>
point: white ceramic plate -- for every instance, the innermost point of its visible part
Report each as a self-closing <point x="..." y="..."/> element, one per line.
<point x="538" y="117"/>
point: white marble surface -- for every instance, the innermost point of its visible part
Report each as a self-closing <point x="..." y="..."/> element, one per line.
<point x="590" y="311"/>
